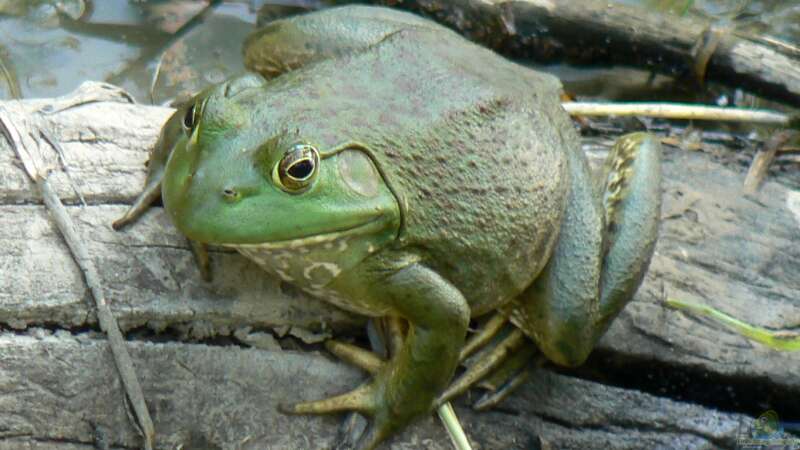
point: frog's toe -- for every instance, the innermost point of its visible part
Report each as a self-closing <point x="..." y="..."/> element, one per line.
<point x="150" y="194"/>
<point x="363" y="359"/>
<point x="360" y="399"/>
<point x="493" y="398"/>
<point x="488" y="363"/>
<point x="483" y="336"/>
<point x="503" y="382"/>
<point x="370" y="400"/>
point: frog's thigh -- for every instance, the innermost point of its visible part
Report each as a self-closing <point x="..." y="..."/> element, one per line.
<point x="558" y="309"/>
<point x="287" y="44"/>
<point x="563" y="310"/>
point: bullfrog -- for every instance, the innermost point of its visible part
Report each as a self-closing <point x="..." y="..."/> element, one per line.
<point x="385" y="164"/>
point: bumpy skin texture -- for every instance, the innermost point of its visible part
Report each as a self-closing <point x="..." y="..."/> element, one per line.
<point x="438" y="182"/>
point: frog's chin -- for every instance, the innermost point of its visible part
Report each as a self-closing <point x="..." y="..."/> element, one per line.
<point x="306" y="241"/>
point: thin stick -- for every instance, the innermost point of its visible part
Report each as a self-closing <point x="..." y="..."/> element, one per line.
<point x="104" y="316"/>
<point x="763" y="159"/>
<point x="678" y="111"/>
<point x="63" y="159"/>
<point x="448" y="417"/>
<point x="32" y="161"/>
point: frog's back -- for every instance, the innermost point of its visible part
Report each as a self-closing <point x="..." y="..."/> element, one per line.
<point x="472" y="144"/>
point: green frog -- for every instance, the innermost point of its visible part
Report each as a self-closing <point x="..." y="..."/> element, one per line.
<point x="385" y="164"/>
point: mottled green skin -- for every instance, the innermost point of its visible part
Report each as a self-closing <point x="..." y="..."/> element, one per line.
<point x="450" y="183"/>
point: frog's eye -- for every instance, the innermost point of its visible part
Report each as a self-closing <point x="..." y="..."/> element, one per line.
<point x="188" y="119"/>
<point x="191" y="117"/>
<point x="297" y="169"/>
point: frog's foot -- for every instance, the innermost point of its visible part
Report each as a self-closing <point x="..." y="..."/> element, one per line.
<point x="368" y="399"/>
<point x="483" y="336"/>
<point x="509" y="376"/>
<point x="390" y="333"/>
<point x="494" y="397"/>
<point x="357" y="356"/>
<point x="359" y="399"/>
<point x="500" y="367"/>
<point x="151" y="193"/>
<point x="493" y="359"/>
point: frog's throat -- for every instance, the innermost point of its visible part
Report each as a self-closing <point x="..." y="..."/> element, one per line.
<point x="362" y="229"/>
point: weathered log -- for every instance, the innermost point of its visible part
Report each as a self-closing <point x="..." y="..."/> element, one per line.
<point x="598" y="32"/>
<point x="59" y="392"/>
<point x="717" y="246"/>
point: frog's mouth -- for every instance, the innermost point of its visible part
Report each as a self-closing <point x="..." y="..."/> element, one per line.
<point x="313" y="240"/>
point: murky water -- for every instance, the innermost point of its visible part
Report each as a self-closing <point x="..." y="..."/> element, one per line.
<point x="159" y="50"/>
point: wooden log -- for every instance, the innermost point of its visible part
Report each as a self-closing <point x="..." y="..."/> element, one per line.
<point x="737" y="253"/>
<point x="59" y="391"/>
<point x="598" y="32"/>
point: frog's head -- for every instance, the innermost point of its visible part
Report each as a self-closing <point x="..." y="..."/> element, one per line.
<point x="235" y="179"/>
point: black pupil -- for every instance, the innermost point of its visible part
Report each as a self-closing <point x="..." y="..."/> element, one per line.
<point x="301" y="169"/>
<point x="188" y="119"/>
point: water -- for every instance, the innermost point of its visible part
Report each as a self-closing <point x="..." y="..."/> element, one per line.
<point x="160" y="50"/>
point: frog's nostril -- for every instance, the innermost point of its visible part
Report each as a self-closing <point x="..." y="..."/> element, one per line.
<point x="231" y="195"/>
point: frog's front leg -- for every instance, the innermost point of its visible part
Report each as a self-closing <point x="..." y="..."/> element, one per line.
<point x="603" y="251"/>
<point x="405" y="388"/>
<point x="170" y="133"/>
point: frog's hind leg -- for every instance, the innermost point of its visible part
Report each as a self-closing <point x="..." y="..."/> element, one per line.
<point x="632" y="204"/>
<point x="601" y="256"/>
<point x="588" y="279"/>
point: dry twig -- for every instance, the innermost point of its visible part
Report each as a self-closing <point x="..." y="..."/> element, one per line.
<point x="763" y="159"/>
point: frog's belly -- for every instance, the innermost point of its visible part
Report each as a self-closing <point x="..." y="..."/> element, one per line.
<point x="309" y="267"/>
